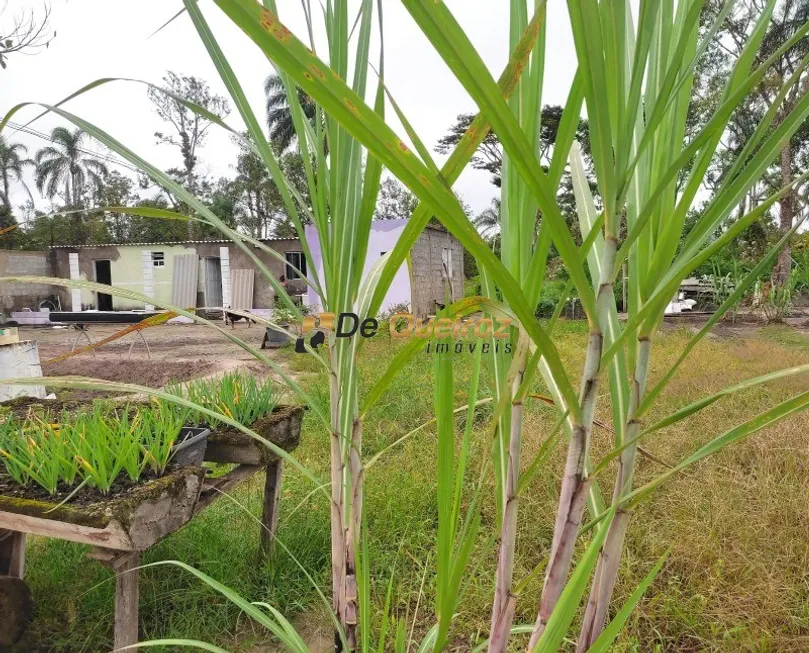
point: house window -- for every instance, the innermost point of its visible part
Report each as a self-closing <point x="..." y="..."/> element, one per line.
<point x="158" y="259"/>
<point x="446" y="261"/>
<point x="295" y="260"/>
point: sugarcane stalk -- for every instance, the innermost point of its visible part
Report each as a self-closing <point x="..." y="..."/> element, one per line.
<point x="575" y="483"/>
<point x="353" y="535"/>
<point x="609" y="559"/>
<point x="338" y="534"/>
<point x="504" y="601"/>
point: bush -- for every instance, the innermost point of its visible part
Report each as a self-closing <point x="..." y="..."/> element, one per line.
<point x="549" y="297"/>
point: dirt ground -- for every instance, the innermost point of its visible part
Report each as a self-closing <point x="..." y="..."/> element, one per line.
<point x="185" y="351"/>
<point x="178" y="353"/>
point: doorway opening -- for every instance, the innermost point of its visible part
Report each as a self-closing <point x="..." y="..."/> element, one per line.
<point x="212" y="275"/>
<point x="103" y="275"/>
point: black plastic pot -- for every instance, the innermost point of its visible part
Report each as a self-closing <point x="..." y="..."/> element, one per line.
<point x="189" y="450"/>
<point x="274" y="339"/>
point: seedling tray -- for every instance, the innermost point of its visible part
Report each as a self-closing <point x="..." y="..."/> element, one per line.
<point x="281" y="427"/>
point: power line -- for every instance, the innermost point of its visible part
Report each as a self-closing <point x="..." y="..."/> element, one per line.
<point x="102" y="156"/>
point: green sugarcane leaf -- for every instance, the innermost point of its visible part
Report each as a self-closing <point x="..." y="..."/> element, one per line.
<point x="697" y="406"/>
<point x="275" y="623"/>
<point x="763" y="420"/>
<point x="461" y="155"/>
<point x="189" y="643"/>
<point x="449" y="40"/>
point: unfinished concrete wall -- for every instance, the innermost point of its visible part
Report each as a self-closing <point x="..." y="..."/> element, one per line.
<point x="263" y="293"/>
<point x="15" y="296"/>
<point x="430" y="283"/>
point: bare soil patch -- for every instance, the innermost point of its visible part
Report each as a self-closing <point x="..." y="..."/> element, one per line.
<point x="177" y="353"/>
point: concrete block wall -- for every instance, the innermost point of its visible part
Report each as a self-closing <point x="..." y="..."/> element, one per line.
<point x="429" y="283"/>
<point x="16" y="295"/>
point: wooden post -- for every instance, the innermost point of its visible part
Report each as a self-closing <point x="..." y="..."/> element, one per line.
<point x="12" y="553"/>
<point x="16" y="606"/>
<point x="272" y="497"/>
<point x="127" y="592"/>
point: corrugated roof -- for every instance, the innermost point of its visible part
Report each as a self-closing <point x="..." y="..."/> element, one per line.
<point x="173" y="242"/>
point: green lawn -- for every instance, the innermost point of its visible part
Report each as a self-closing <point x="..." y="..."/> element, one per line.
<point x="738" y="524"/>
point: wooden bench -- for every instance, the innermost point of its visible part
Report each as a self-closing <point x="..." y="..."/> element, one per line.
<point x="119" y="543"/>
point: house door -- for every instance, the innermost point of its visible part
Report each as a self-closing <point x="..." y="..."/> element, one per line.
<point x="213" y="282"/>
<point x="103" y="275"/>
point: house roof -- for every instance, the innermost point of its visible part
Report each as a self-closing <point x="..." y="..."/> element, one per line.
<point x="164" y="243"/>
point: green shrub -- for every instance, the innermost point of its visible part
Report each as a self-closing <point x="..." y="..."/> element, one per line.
<point x="549" y="297"/>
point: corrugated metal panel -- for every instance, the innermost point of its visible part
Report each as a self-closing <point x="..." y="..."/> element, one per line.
<point x="184" y="281"/>
<point x="242" y="289"/>
<point x="148" y="275"/>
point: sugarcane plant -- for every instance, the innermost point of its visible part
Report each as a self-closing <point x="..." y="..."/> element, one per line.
<point x="636" y="82"/>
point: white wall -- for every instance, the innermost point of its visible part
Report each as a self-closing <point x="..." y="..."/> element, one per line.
<point x="384" y="236"/>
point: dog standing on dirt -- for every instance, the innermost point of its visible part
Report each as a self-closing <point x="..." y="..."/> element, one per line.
<point x="232" y="318"/>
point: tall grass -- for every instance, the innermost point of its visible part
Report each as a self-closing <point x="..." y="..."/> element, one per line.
<point x="635" y="75"/>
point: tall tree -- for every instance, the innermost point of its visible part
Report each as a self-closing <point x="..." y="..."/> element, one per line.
<point x="394" y="201"/>
<point x="12" y="163"/>
<point x="65" y="169"/>
<point x="788" y="17"/>
<point x="487" y="222"/>
<point x="190" y="128"/>
<point x="489" y="154"/>
<point x="279" y="117"/>
<point x="26" y="32"/>
<point x="117" y="190"/>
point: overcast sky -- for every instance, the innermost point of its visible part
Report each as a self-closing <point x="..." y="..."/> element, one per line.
<point x="111" y="38"/>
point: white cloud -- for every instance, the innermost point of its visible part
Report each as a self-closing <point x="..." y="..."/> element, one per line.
<point x="110" y="38"/>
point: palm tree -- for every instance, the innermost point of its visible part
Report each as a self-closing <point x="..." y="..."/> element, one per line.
<point x="488" y="221"/>
<point x="11" y="167"/>
<point x="65" y="165"/>
<point x="279" y="117"/>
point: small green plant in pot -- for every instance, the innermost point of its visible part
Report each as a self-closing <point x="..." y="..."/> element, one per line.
<point x="240" y="397"/>
<point x="95" y="447"/>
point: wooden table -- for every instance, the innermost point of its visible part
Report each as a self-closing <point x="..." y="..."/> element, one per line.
<point x="120" y="547"/>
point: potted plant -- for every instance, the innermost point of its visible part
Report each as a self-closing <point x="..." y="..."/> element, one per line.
<point x="287" y="320"/>
<point x="123" y="475"/>
<point x="248" y="401"/>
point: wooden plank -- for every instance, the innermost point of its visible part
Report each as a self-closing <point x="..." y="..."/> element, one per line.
<point x="272" y="498"/>
<point x="111" y="537"/>
<point x="249" y="453"/>
<point x="212" y="488"/>
<point x="12" y="553"/>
